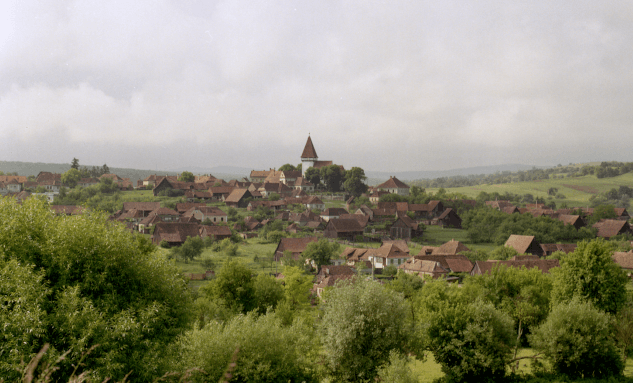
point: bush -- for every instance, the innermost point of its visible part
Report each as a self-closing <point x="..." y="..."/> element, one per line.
<point x="576" y="340"/>
<point x="471" y="342"/>
<point x="164" y="244"/>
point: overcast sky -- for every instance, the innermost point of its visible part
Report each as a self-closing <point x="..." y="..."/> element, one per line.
<point x="384" y="85"/>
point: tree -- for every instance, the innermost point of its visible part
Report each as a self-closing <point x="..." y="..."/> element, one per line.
<point x="71" y="177"/>
<point x="259" y="349"/>
<point x="362" y="323"/>
<point x="74" y="164"/>
<point x="471" y="341"/>
<point x="190" y="249"/>
<point x="576" y="339"/>
<point x="268" y="292"/>
<point x="332" y="176"/>
<point x="108" y="287"/>
<point x="313" y="175"/>
<point x="287" y="167"/>
<point x="355" y="181"/>
<point x="590" y="274"/>
<point x="186" y="177"/>
<point x="321" y="252"/>
<point x="233" y="286"/>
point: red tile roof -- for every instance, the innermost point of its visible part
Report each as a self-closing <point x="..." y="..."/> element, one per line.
<point x="392" y="183"/>
<point x="308" y="150"/>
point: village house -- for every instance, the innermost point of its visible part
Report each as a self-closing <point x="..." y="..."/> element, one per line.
<point x="422" y="268"/>
<point x="332" y="213"/>
<point x="405" y="227"/>
<point x="217" y="232"/>
<point x="310" y="159"/>
<point x="394" y="186"/>
<point x="343" y="228"/>
<point x="386" y="255"/>
<point x="524" y="244"/>
<point x="611" y="227"/>
<point x="238" y="198"/>
<point x="295" y="246"/>
<point x="174" y="233"/>
<point x="202" y="213"/>
<point x="486" y="267"/>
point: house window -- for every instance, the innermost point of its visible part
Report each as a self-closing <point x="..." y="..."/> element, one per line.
<point x="214" y="218"/>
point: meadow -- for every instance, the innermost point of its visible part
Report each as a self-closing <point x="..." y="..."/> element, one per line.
<point x="577" y="190"/>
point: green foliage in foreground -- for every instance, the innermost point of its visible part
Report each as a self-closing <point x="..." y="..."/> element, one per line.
<point x="362" y="323"/>
<point x="265" y="350"/>
<point x="86" y="282"/>
<point x="576" y="340"/>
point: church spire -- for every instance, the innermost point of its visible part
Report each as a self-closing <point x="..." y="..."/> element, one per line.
<point x="308" y="151"/>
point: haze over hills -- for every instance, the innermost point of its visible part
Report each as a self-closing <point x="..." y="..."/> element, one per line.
<point x="234" y="172"/>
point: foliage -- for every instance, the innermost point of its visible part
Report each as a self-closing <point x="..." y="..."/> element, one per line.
<point x="287" y="167"/>
<point x="266" y="351"/>
<point x="190" y="249"/>
<point x="396" y="370"/>
<point x="333" y="177"/>
<point x="71" y="177"/>
<point x="590" y="274"/>
<point x="164" y="244"/>
<point x="321" y="252"/>
<point x="355" y="181"/>
<point x="232" y="287"/>
<point x="390" y="271"/>
<point x="107" y="287"/>
<point x="186" y="177"/>
<point x="503" y="253"/>
<point x="490" y="225"/>
<point x="472" y="342"/>
<point x="268" y="293"/>
<point x="576" y="340"/>
<point x="362" y="323"/>
<point x="313" y="175"/>
<point x="21" y="313"/>
<point x="602" y="212"/>
<point x="74" y="164"/>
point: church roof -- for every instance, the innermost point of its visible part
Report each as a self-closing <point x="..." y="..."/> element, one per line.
<point x="308" y="151"/>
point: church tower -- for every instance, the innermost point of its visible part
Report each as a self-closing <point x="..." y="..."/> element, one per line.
<point x="309" y="156"/>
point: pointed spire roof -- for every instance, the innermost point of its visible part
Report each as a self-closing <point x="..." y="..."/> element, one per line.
<point x="308" y="151"/>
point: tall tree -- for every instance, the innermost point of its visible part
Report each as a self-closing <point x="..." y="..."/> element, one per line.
<point x="333" y="177"/>
<point x="321" y="252"/>
<point x="287" y="167"/>
<point x="71" y="177"/>
<point x="313" y="175"/>
<point x="590" y="274"/>
<point x="74" y="164"/>
<point x="355" y="181"/>
<point x="186" y="177"/>
<point x="362" y="322"/>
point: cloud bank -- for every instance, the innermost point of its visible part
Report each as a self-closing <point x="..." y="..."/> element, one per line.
<point x="403" y="85"/>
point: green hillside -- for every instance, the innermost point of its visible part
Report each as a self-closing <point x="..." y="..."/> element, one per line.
<point x="577" y="190"/>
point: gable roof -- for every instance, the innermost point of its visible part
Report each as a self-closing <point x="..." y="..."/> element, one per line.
<point x="237" y="195"/>
<point x="392" y="183"/>
<point x="175" y="231"/>
<point x="423" y="266"/>
<point x="142" y="206"/>
<point x="520" y="243"/>
<point x="294" y="245"/>
<point x="308" y="150"/>
<point x="451" y="247"/>
<point x="611" y="227"/>
<point x="623" y="259"/>
<point x="345" y="225"/>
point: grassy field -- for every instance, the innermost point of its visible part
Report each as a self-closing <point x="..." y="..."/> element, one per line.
<point x="577" y="190"/>
<point x="429" y="370"/>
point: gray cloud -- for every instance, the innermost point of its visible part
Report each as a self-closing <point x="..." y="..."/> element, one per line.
<point x="383" y="85"/>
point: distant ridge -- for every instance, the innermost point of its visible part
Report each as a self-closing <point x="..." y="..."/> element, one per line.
<point x="235" y="172"/>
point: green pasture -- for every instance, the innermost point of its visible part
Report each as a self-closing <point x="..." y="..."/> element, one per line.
<point x="577" y="190"/>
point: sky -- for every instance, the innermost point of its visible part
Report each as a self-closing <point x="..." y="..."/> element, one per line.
<point x="383" y="85"/>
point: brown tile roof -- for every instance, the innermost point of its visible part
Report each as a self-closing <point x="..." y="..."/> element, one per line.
<point x="510" y="209"/>
<point x="164" y="211"/>
<point x="300" y="181"/>
<point x="237" y="195"/>
<point x="443" y="260"/>
<point x="184" y="206"/>
<point x="568" y="219"/>
<point x="423" y="266"/>
<point x="18" y="179"/>
<point x="552" y="247"/>
<point x="392" y="183"/>
<point x="142" y="206"/>
<point x="624" y="259"/>
<point x="175" y="231"/>
<point x="334" y="211"/>
<point x="345" y="225"/>
<point x="520" y="243"/>
<point x="321" y="164"/>
<point x="332" y="280"/>
<point x="457" y="265"/>
<point x="363" y="220"/>
<point x="401" y="243"/>
<point x="308" y="150"/>
<point x="611" y="227"/>
<point x="217" y="230"/>
<point x="450" y="248"/>
<point x="294" y="245"/>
